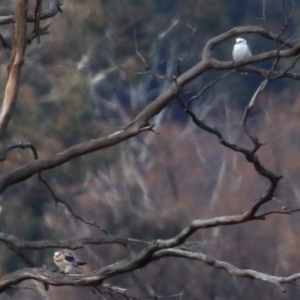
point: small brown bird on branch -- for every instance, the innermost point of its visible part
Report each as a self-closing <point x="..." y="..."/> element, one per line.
<point x="66" y="261"/>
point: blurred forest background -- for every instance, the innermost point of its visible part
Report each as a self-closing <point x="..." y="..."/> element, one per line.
<point x="80" y="82"/>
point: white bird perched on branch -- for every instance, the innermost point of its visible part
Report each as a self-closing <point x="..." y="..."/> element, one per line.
<point x="241" y="50"/>
<point x="66" y="262"/>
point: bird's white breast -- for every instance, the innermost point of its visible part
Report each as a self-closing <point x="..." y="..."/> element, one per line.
<point x="240" y="52"/>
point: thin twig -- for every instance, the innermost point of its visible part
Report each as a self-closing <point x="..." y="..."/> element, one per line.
<point x="248" y="110"/>
<point x="68" y="207"/>
<point x="180" y="60"/>
<point x="197" y="96"/>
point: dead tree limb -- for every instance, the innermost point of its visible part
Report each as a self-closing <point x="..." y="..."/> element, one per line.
<point x="15" y="64"/>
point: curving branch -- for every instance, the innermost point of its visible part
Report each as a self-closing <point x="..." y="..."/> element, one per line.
<point x="41" y="164"/>
<point x="141" y="122"/>
<point x="134" y="262"/>
<point x="218" y="264"/>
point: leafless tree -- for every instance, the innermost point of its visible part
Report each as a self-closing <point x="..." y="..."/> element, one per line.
<point x="142" y="252"/>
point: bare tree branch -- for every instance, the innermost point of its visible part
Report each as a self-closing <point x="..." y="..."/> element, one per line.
<point x="248" y="110"/>
<point x="37" y="16"/>
<point x="55" y="7"/>
<point x="246" y="273"/>
<point x="21" y="145"/>
<point x="68" y="244"/>
<point x="140" y="123"/>
<point x="15" y="64"/>
<point x="135" y="262"/>
<point x="68" y="207"/>
<point x="159" y="248"/>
